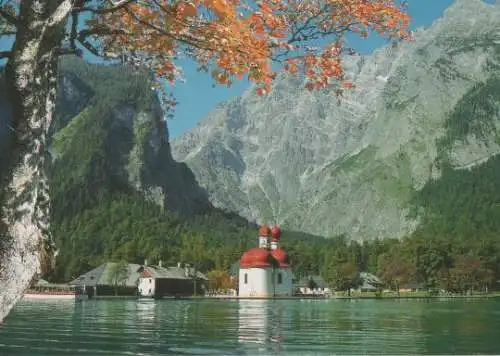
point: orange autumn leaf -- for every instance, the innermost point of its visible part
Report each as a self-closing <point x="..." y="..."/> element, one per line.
<point x="188" y="10"/>
<point x="234" y="39"/>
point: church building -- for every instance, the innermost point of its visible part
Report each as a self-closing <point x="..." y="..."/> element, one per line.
<point x="265" y="270"/>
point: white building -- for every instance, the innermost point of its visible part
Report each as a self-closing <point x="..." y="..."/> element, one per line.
<point x="265" y="270"/>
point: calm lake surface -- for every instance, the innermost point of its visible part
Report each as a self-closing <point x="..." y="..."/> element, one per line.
<point x="282" y="327"/>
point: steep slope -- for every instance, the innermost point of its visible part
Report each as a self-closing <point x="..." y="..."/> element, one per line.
<point x="303" y="160"/>
<point x="110" y="133"/>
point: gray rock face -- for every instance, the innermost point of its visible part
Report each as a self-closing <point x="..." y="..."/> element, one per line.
<point x="303" y="160"/>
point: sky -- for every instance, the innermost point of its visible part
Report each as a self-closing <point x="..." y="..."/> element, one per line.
<point x="197" y="97"/>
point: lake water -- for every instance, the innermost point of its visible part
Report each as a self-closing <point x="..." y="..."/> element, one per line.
<point x="260" y="327"/>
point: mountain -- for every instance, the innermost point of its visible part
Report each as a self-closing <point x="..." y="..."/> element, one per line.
<point x="113" y="130"/>
<point x="363" y="166"/>
<point x="117" y="193"/>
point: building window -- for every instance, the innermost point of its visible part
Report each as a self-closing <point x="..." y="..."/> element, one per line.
<point x="246" y="278"/>
<point x="280" y="278"/>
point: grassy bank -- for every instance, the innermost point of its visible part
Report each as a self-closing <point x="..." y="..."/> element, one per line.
<point x="408" y="295"/>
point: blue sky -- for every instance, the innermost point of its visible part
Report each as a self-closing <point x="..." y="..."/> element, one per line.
<point x="197" y="96"/>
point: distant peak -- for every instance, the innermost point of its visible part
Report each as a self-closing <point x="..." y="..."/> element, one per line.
<point x="468" y="5"/>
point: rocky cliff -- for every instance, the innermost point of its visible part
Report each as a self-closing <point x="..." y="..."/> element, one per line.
<point x="113" y="116"/>
<point x="110" y="134"/>
<point x="309" y="163"/>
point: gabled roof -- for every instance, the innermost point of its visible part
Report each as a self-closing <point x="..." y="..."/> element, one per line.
<point x="90" y="278"/>
<point x="170" y="273"/>
<point x="133" y="274"/>
<point x="102" y="275"/>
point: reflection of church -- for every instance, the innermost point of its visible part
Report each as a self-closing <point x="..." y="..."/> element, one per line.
<point x="265" y="270"/>
<point x="261" y="325"/>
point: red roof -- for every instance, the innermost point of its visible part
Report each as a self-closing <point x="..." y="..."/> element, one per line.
<point x="256" y="257"/>
<point x="276" y="232"/>
<point x="264" y="230"/>
<point x="281" y="256"/>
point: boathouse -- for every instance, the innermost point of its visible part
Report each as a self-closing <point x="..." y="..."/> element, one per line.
<point x="110" y="279"/>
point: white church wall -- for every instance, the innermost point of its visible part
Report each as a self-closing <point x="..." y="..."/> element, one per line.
<point x="264" y="282"/>
<point x="257" y="283"/>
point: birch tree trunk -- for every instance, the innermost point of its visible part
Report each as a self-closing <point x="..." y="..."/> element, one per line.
<point x="27" y="246"/>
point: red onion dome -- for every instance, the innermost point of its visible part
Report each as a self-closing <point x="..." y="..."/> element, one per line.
<point x="275" y="232"/>
<point x="256" y="257"/>
<point x="281" y="256"/>
<point x="264" y="230"/>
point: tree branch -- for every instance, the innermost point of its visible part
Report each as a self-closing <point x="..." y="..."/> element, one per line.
<point x="92" y="49"/>
<point x="8" y="33"/>
<point x="117" y="6"/>
<point x="190" y="41"/>
<point x="84" y="34"/>
<point x="5" y="54"/>
<point x="68" y="51"/>
<point x="74" y="30"/>
<point x="13" y="20"/>
<point x="89" y="47"/>
<point x="60" y="13"/>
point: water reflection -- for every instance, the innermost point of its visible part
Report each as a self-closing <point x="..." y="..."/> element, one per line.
<point x="261" y="325"/>
<point x="252" y="321"/>
<point x="460" y="325"/>
<point x="251" y="327"/>
<point x="345" y="327"/>
<point x="146" y="319"/>
<point x="146" y="311"/>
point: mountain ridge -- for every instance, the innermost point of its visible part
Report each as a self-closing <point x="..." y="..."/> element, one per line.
<point x="299" y="159"/>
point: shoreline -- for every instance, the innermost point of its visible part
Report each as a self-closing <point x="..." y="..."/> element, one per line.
<point x="478" y="296"/>
<point x="340" y="297"/>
